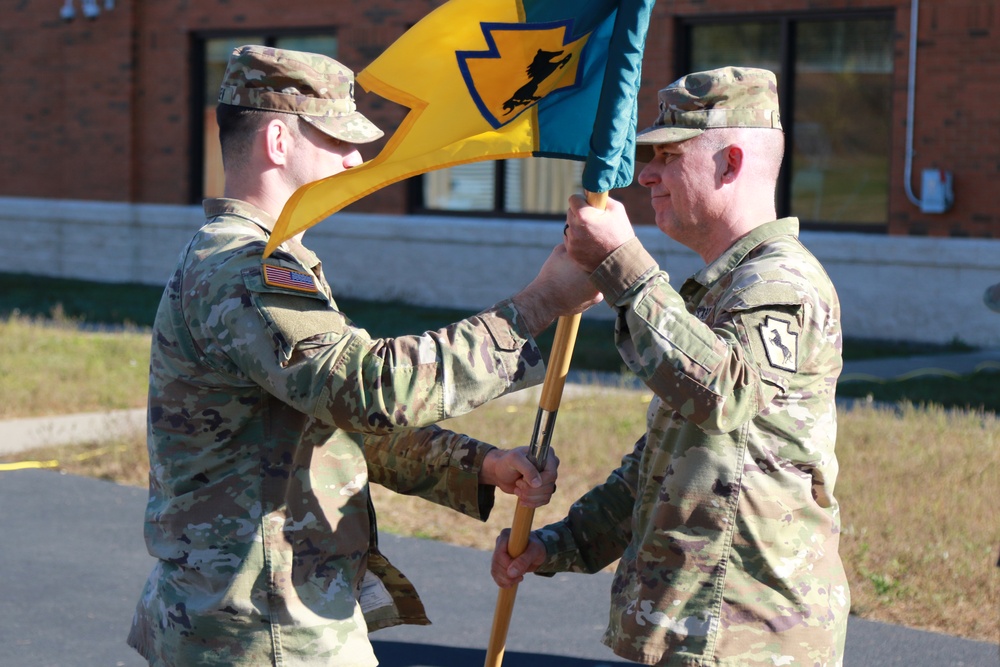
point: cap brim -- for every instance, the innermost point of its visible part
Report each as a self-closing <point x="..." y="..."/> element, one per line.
<point x="652" y="136"/>
<point x="353" y="128"/>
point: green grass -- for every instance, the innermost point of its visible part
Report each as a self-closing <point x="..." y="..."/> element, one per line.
<point x="96" y="304"/>
<point x="859" y="349"/>
<point x="977" y="391"/>
<point x="102" y="304"/>
<point x="80" y="300"/>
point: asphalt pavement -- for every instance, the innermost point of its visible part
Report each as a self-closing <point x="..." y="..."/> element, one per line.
<point x="73" y="562"/>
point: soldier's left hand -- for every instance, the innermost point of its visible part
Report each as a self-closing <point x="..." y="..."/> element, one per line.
<point x="507" y="571"/>
<point x="512" y="472"/>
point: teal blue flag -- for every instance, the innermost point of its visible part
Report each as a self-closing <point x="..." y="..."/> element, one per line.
<point x="611" y="159"/>
<point x="596" y="122"/>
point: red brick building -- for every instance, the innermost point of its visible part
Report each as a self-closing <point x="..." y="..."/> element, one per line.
<point x="117" y="107"/>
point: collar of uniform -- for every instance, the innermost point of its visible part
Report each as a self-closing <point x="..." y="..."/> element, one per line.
<point x="237" y="207"/>
<point x="264" y="220"/>
<point x="737" y="252"/>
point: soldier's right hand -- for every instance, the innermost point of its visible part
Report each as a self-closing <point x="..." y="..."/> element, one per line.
<point x="592" y="233"/>
<point x="508" y="571"/>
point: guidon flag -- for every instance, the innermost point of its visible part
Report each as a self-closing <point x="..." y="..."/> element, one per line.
<point x="498" y="79"/>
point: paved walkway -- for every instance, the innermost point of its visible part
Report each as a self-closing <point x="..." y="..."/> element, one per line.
<point x="72" y="563"/>
<point x="19" y="435"/>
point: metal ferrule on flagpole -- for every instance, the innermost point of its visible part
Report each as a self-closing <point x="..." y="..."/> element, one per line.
<point x="541" y="437"/>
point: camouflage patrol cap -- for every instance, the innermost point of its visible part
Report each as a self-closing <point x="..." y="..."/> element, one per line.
<point x="316" y="88"/>
<point x="724" y="97"/>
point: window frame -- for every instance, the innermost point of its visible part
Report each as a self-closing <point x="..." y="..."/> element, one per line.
<point x="788" y="21"/>
<point x="416" y="205"/>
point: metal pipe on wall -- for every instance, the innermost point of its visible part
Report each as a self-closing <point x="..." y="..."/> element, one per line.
<point x="911" y="84"/>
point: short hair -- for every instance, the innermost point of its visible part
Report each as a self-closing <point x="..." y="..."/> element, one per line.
<point x="238" y="127"/>
<point x="768" y="145"/>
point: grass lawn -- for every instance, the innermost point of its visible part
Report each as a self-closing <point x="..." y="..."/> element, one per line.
<point x="976" y="391"/>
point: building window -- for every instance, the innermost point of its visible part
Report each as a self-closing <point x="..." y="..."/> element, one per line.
<point x="212" y="55"/>
<point x="835" y="82"/>
<point x="519" y="187"/>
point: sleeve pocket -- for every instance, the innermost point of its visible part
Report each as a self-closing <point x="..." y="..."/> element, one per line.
<point x="292" y="315"/>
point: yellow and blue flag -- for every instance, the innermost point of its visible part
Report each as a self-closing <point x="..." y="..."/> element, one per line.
<point x="496" y="79"/>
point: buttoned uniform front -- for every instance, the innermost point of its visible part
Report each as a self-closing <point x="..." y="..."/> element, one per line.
<point x="723" y="515"/>
<point x="269" y="415"/>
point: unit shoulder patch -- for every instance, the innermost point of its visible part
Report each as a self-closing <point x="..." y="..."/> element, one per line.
<point x="279" y="276"/>
<point x="780" y="344"/>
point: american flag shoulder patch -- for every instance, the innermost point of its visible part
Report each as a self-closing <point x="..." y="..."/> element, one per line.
<point x="279" y="276"/>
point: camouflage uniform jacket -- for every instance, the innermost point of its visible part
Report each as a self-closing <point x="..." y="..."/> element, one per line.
<point x="269" y="414"/>
<point x="723" y="514"/>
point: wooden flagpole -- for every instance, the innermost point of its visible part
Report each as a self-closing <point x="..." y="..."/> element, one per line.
<point x="548" y="406"/>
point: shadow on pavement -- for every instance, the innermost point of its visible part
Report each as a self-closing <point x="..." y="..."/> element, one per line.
<point x="404" y="654"/>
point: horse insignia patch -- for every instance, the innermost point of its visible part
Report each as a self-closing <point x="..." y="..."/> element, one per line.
<point x="781" y="345"/>
<point x="524" y="63"/>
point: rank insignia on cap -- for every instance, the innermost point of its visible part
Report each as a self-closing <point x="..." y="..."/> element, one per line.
<point x="279" y="276"/>
<point x="781" y="345"/>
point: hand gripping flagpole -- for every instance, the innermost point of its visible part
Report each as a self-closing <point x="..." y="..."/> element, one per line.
<point x="541" y="438"/>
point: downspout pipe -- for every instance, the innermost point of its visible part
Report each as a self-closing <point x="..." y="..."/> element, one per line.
<point x="910" y="95"/>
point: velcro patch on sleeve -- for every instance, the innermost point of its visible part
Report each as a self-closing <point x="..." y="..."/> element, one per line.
<point x="279" y="276"/>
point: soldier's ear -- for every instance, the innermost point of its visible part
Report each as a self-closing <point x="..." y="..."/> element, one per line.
<point x="277" y="141"/>
<point x="732" y="164"/>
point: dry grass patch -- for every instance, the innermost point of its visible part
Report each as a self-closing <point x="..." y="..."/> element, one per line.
<point x="51" y="368"/>
<point x="120" y="459"/>
<point x="918" y="489"/>
<point x="591" y="435"/>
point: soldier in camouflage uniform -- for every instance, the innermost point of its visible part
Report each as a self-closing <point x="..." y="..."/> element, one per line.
<point x="723" y="514"/>
<point x="270" y="413"/>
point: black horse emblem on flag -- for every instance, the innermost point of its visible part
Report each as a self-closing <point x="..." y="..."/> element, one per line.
<point x="543" y="65"/>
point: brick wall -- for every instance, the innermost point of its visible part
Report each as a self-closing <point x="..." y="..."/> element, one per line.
<point x="100" y="115"/>
<point x="67" y="114"/>
<point x="955" y="119"/>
